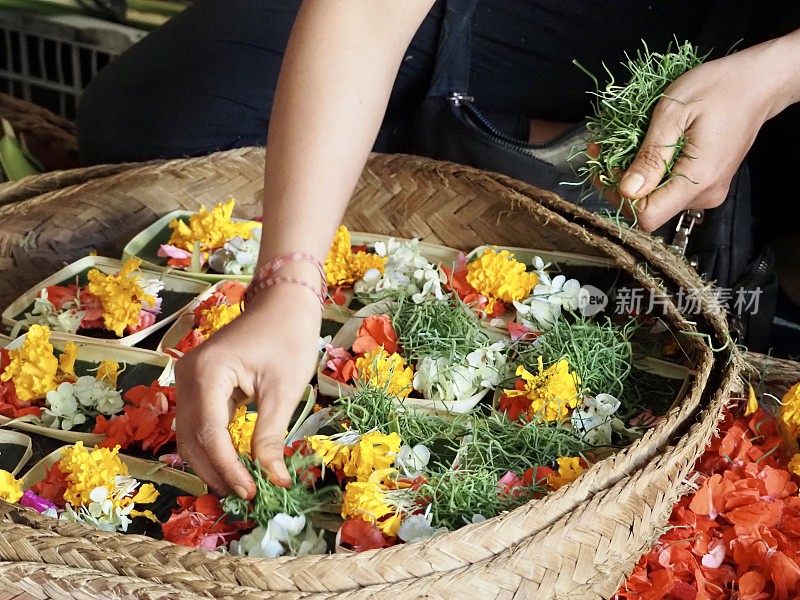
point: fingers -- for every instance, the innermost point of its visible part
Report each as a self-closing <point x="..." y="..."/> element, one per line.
<point x="689" y="187"/>
<point x="668" y="124"/>
<point x="275" y="412"/>
<point x="202" y="415"/>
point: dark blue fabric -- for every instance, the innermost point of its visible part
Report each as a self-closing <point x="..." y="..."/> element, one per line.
<point x="206" y="80"/>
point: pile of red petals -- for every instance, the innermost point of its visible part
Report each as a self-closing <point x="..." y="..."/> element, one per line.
<point x="738" y="535"/>
<point x="146" y="420"/>
<point x="200" y="523"/>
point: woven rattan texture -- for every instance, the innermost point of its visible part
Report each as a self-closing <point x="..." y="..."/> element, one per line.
<point x="50" y="137"/>
<point x="575" y="543"/>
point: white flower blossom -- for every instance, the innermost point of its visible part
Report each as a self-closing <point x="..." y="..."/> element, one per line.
<point x="104" y="512"/>
<point x="483" y="368"/>
<point x="490" y="362"/>
<point x="406" y="270"/>
<point x="437" y="379"/>
<point x="257" y="544"/>
<point x="70" y="404"/>
<point x="283" y="527"/>
<point x="284" y="534"/>
<point x="238" y="256"/>
<point x="97" y="396"/>
<point x="61" y="409"/>
<point x="412" y="461"/>
<point x="543" y="307"/>
<point x="593" y="419"/>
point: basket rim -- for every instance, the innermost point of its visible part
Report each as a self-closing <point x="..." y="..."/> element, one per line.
<point x="468" y="548"/>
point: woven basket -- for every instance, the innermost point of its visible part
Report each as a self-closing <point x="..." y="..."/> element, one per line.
<point x="51" y="139"/>
<point x="575" y="543"/>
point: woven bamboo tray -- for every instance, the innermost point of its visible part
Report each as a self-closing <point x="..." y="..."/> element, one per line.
<point x="172" y="283"/>
<point x="143" y="470"/>
<point x="25" y="450"/>
<point x="345" y="338"/>
<point x="575" y="543"/>
<point x="93" y="351"/>
<point x="159" y="233"/>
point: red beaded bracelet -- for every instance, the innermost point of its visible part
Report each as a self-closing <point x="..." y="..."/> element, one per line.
<point x="266" y="276"/>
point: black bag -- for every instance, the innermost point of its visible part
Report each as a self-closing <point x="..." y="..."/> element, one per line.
<point x="450" y="126"/>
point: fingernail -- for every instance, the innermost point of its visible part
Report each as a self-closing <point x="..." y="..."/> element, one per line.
<point x="240" y="491"/>
<point x="632" y="183"/>
<point x="280" y="481"/>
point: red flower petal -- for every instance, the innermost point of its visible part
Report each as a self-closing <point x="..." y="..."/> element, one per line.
<point x="362" y="536"/>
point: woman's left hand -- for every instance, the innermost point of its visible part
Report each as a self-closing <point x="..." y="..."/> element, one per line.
<point x="719" y="107"/>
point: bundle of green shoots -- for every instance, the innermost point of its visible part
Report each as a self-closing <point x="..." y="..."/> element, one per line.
<point x="469" y="453"/>
<point x="622" y="113"/>
<point x="15" y="158"/>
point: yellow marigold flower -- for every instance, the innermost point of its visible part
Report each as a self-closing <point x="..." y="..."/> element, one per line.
<point x="553" y="392"/>
<point x="499" y="276"/>
<point x="215" y="318"/>
<point x="345" y="267"/>
<point x="333" y="454"/>
<point x="338" y="256"/>
<point x="373" y="452"/>
<point x="87" y="469"/>
<point x="370" y="452"/>
<point x="66" y="362"/>
<point x="120" y="295"/>
<point x="569" y="468"/>
<point x="241" y="430"/>
<point x="33" y="366"/>
<point x="794" y="465"/>
<point x="371" y="501"/>
<point x="752" y="401"/>
<point x="108" y="371"/>
<point x="10" y="488"/>
<point x="211" y="228"/>
<point x="790" y="411"/>
<point x="386" y="371"/>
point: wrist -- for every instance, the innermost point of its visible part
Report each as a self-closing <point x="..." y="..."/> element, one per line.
<point x="296" y="269"/>
<point x="780" y="69"/>
<point x="284" y="297"/>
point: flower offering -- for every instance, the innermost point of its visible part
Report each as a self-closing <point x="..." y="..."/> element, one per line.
<point x="213" y="241"/>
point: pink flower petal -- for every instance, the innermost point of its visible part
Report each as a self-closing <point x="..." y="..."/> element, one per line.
<point x="167" y="251"/>
<point x="518" y="332"/>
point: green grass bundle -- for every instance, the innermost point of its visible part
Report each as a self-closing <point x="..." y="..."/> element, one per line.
<point x="270" y="499"/>
<point x="369" y="408"/>
<point x="622" y="113"/>
<point x="437" y="328"/>
<point x="498" y="445"/>
<point x="599" y="352"/>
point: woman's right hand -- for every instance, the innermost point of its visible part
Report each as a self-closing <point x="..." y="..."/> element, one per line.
<point x="317" y="146"/>
<point x="268" y="355"/>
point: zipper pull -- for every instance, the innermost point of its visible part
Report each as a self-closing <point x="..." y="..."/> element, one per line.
<point x="457" y="98"/>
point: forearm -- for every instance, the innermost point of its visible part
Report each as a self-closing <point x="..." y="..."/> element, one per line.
<point x="337" y="74"/>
